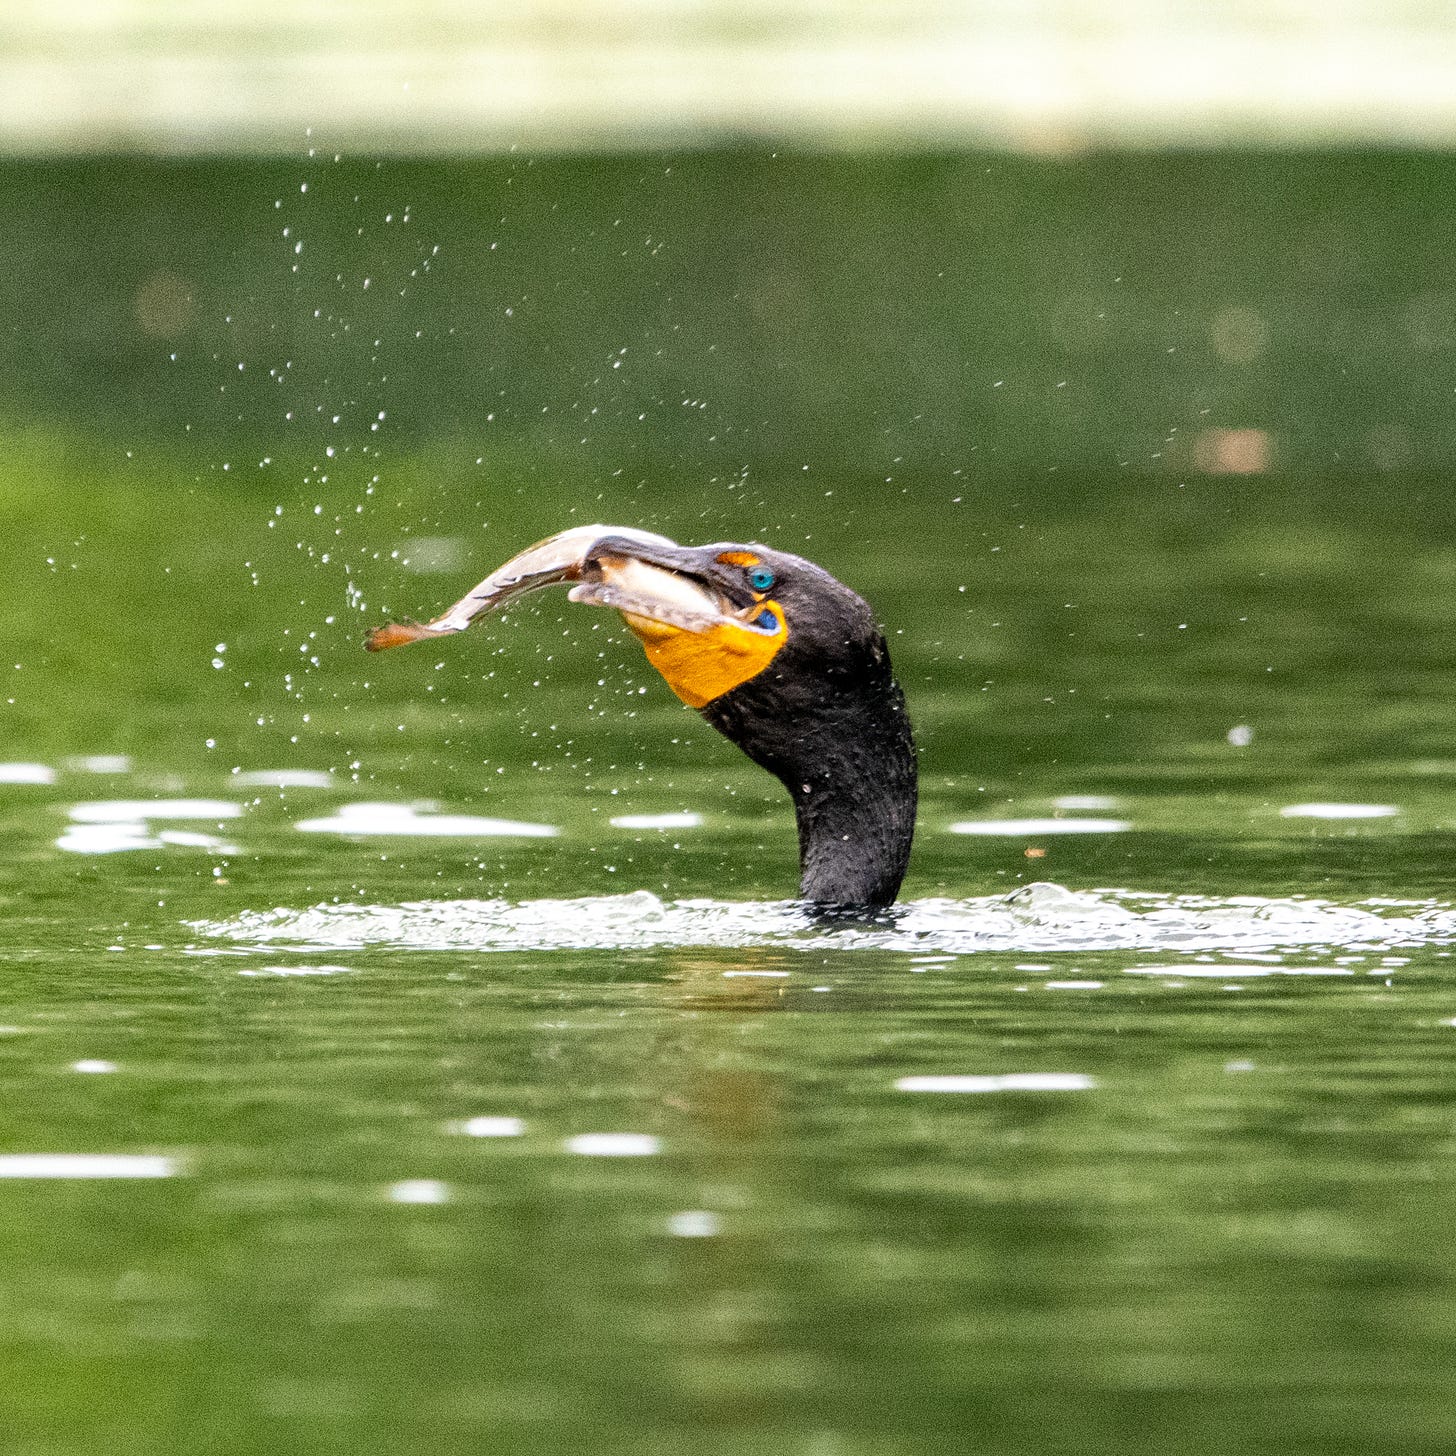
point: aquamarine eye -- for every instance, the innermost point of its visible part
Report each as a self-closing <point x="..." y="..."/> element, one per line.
<point x="760" y="578"/>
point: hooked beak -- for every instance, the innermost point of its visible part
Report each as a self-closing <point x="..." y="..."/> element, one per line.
<point x="646" y="577"/>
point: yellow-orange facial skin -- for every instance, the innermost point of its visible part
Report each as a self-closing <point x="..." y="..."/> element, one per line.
<point x="701" y="666"/>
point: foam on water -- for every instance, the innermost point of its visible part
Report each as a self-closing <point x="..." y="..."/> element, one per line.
<point x="1037" y="917"/>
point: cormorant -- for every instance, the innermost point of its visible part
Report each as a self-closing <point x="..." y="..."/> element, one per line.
<point x="777" y="655"/>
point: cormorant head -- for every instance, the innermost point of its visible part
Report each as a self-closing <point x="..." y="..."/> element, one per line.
<point x="774" y="609"/>
<point x="779" y="657"/>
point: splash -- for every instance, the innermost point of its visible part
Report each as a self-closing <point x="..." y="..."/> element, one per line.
<point x="1038" y="917"/>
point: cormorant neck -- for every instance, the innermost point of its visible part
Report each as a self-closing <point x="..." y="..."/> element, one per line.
<point x="846" y="754"/>
<point x="855" y="801"/>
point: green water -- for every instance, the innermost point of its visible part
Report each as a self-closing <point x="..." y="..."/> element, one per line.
<point x="1228" y="1232"/>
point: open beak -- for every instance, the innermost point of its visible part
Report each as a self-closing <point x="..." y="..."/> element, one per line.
<point x="641" y="574"/>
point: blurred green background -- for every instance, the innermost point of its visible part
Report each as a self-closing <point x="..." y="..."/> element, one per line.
<point x="706" y="314"/>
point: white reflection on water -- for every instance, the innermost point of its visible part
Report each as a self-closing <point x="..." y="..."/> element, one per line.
<point x="419" y="1190"/>
<point x="1036" y="918"/>
<point x="1338" y="811"/>
<point x="124" y="811"/>
<point x="687" y="819"/>
<point x="1019" y="827"/>
<point x="1005" y="1082"/>
<point x="289" y="778"/>
<point x="297" y="971"/>
<point x="614" y="1145"/>
<point x="489" y="1127"/>
<point x="26" y="773"/>
<point x="1224" y="970"/>
<point x="694" y="1223"/>
<point x="86" y="1165"/>
<point x="109" y="826"/>
<point x="403" y="819"/>
<point x="111" y="838"/>
<point x="93" y="1064"/>
<point x="106" y="838"/>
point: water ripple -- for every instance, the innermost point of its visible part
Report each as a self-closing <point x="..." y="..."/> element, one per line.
<point x="1037" y="917"/>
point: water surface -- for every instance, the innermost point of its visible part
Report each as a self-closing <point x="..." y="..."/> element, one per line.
<point x="423" y="1054"/>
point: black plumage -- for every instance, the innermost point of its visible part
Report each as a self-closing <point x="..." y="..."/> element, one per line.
<point x="828" y="720"/>
<point x="826" y="716"/>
